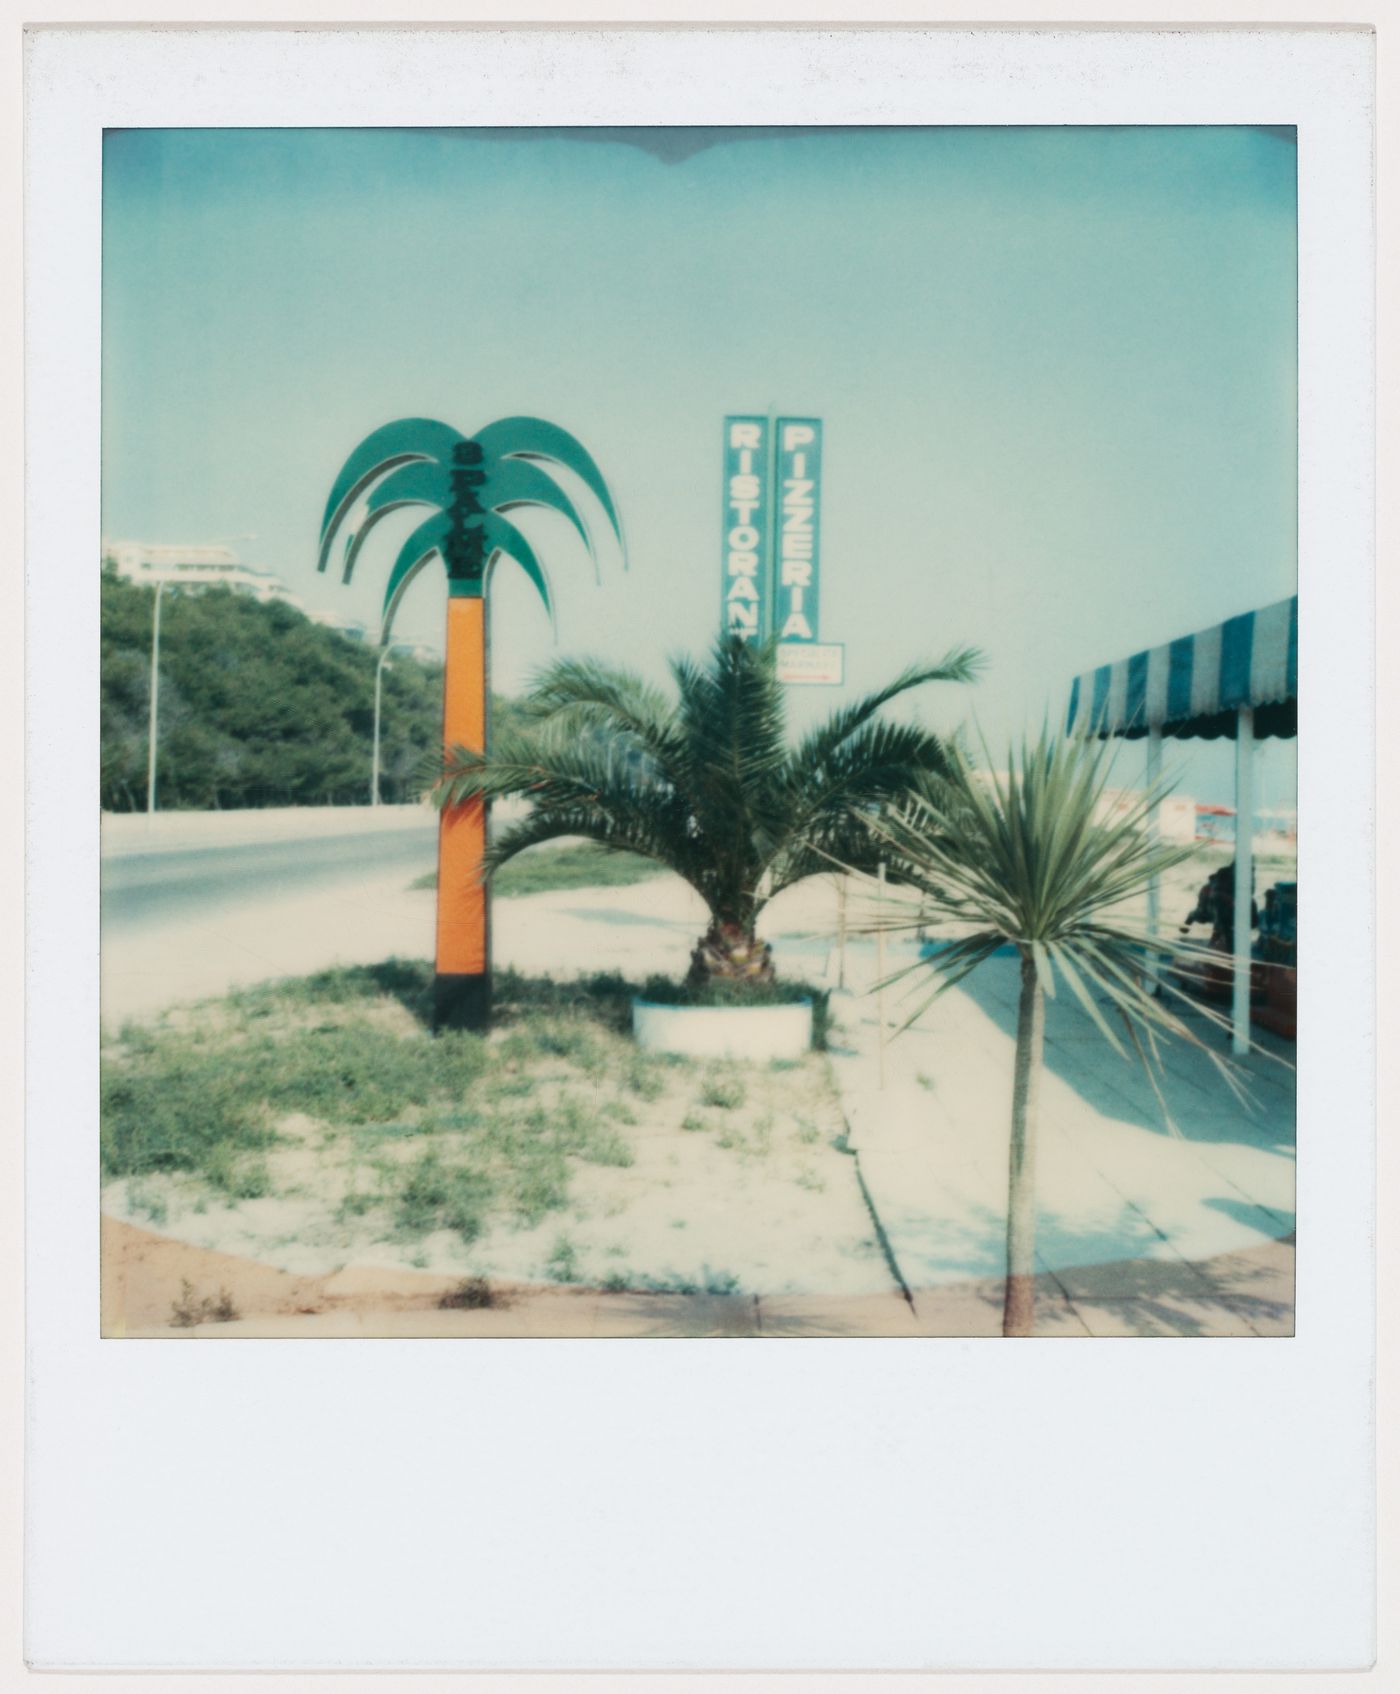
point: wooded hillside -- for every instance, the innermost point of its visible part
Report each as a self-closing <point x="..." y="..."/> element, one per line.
<point x="258" y="706"/>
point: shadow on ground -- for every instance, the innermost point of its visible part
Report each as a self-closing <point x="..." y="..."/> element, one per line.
<point x="1196" y="1094"/>
<point x="605" y="996"/>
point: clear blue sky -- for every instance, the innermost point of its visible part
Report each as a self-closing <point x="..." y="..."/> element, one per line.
<point x="1056" y="369"/>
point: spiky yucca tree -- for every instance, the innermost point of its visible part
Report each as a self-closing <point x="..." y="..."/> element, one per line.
<point x="706" y="782"/>
<point x="1035" y="857"/>
<point x="467" y="488"/>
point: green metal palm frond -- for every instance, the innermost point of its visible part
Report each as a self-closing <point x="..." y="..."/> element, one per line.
<point x="402" y="442"/>
<point x="504" y="541"/>
<point x="509" y="484"/>
<point x="536" y="439"/>
<point x="411" y="462"/>
<point x="420" y="482"/>
<point x="429" y="540"/>
<point x="520" y="482"/>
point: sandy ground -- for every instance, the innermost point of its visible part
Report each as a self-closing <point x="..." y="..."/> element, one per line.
<point x="773" y="1210"/>
<point x="289" y="934"/>
<point x="146" y="1276"/>
<point x="758" y="1198"/>
<point x="637" y="929"/>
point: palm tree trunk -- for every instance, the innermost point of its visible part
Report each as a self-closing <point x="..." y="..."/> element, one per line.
<point x="731" y="952"/>
<point x="1018" y="1314"/>
<point x="462" y="986"/>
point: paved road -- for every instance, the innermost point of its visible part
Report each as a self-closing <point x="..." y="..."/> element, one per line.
<point x="145" y="888"/>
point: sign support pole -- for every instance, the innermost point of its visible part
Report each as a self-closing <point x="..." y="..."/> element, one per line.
<point x="1154" y="835"/>
<point x="770" y="540"/>
<point x="880" y="967"/>
<point x="153" y="725"/>
<point x="1244" y="877"/>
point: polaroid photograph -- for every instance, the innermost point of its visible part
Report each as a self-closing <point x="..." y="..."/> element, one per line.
<point x="681" y="710"/>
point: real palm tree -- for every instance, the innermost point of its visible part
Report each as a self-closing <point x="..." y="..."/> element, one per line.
<point x="1037" y="858"/>
<point x="706" y="782"/>
<point x="468" y="486"/>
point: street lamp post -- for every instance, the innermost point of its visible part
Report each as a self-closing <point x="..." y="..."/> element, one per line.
<point x="155" y="705"/>
<point x="387" y="648"/>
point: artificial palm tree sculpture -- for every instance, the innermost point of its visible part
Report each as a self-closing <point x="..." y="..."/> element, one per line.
<point x="706" y="784"/>
<point x="1038" y="859"/>
<point x="468" y="485"/>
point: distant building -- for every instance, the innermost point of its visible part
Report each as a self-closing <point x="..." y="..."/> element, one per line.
<point x="423" y="651"/>
<point x="1275" y="827"/>
<point x="1184" y="819"/>
<point x="1177" y="818"/>
<point x="353" y="629"/>
<point x="185" y="568"/>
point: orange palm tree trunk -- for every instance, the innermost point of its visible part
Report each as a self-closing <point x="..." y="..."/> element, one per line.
<point x="462" y="989"/>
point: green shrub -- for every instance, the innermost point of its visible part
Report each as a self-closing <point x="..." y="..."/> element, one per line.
<point x="645" y="1076"/>
<point x="562" y="1264"/>
<point x="174" y="1108"/>
<point x="724" y="1088"/>
<point x="473" y="1293"/>
<point x="539" y="1186"/>
<point x="433" y="1195"/>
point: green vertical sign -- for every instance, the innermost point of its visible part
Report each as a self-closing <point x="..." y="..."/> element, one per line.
<point x="746" y="570"/>
<point x="797" y="529"/>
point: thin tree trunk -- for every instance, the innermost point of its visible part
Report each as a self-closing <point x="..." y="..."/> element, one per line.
<point x="1018" y="1315"/>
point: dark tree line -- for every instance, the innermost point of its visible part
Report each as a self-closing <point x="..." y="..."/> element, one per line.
<point x="258" y="706"/>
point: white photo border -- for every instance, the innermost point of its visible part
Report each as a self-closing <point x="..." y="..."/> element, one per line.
<point x="719" y="1504"/>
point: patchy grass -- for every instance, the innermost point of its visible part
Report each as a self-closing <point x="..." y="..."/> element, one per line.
<point x="724" y="1088"/>
<point x="173" y="1106"/>
<point x="539" y="869"/>
<point x="708" y="1282"/>
<point x="431" y="1133"/>
<point x="433" y="1195"/>
<point x="563" y="1261"/>
<point x="314" y="1120"/>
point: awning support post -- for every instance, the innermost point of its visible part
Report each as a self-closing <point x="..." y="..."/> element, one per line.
<point x="1244" y="875"/>
<point x="1154" y="835"/>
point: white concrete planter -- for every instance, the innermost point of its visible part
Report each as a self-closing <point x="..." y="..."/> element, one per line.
<point x="783" y="1031"/>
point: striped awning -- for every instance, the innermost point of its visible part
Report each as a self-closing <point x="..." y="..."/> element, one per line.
<point x="1194" y="686"/>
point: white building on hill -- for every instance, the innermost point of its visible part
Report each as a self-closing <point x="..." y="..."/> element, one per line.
<point x="186" y="567"/>
<point x="353" y="629"/>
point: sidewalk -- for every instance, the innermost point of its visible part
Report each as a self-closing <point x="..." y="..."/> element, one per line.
<point x="1141" y="1229"/>
<point x="144" y="1275"/>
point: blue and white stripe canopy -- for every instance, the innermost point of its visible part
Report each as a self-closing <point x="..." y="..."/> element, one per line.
<point x="1194" y="686"/>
